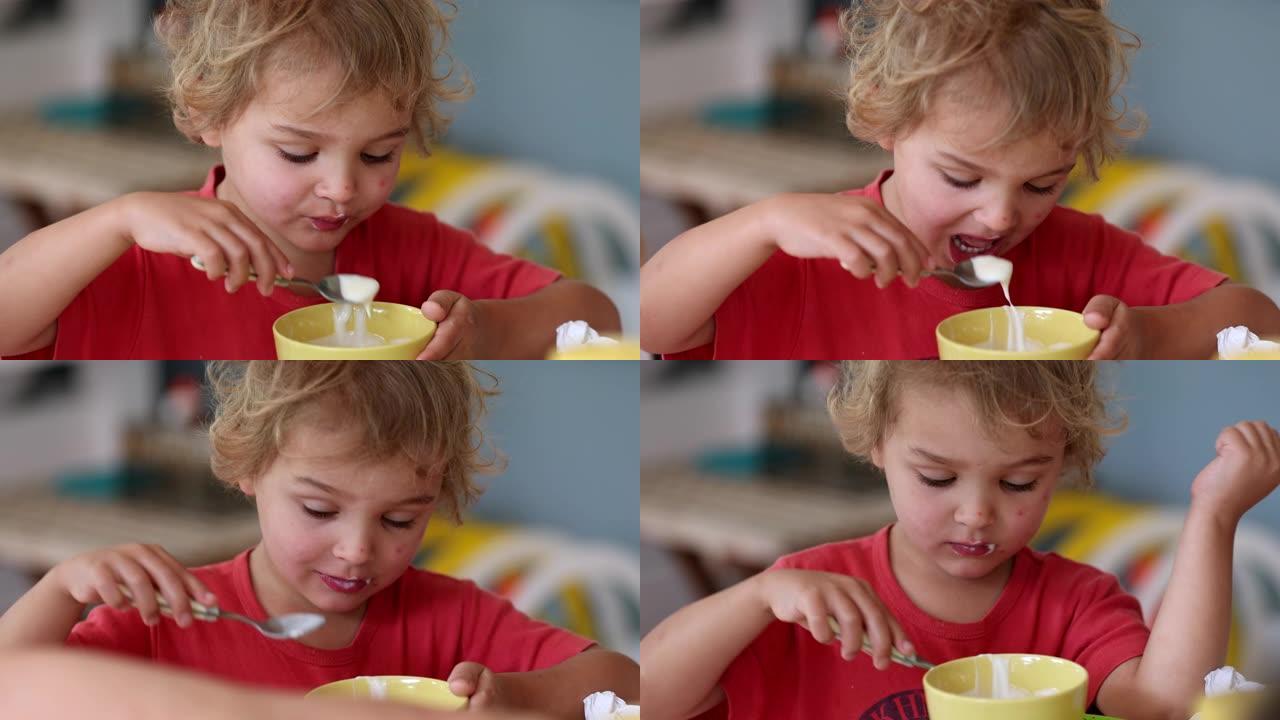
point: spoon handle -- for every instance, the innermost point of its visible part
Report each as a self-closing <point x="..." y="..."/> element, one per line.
<point x="894" y="655"/>
<point x="199" y="611"/>
<point x="280" y="280"/>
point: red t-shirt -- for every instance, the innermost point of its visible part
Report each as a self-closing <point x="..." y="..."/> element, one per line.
<point x="156" y="306"/>
<point x="1050" y="606"/>
<point x="423" y="624"/>
<point x="815" y="310"/>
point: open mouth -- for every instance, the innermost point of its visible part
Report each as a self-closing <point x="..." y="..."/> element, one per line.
<point x="964" y="247"/>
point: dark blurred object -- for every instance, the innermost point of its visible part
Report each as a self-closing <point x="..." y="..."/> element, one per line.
<point x="1269" y="709"/>
<point x="114" y="109"/>
<point x="43" y="383"/>
<point x="30" y="13"/>
<point x="670" y="17"/>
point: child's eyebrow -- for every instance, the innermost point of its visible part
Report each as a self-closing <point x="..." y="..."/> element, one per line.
<point x="423" y="499"/>
<point x="978" y="168"/>
<point x="1033" y="460"/>
<point x="312" y="135"/>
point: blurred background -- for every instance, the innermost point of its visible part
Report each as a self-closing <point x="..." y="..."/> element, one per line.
<point x="742" y="99"/>
<point x="96" y="454"/>
<point x="540" y="161"/>
<point x="740" y="465"/>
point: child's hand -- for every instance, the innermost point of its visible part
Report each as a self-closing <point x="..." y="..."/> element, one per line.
<point x="1246" y="469"/>
<point x="458" y="327"/>
<point x="481" y="685"/>
<point x="809" y="597"/>
<point x="95" y="577"/>
<point x="1121" y="328"/>
<point x="216" y="231"/>
<point x="865" y="237"/>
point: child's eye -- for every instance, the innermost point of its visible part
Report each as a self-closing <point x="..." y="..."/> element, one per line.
<point x="934" y="482"/>
<point x="962" y="184"/>
<point x="1019" y="487"/>
<point x="398" y="524"/>
<point x="1041" y="190"/>
<point x="321" y="514"/>
<point x="299" y="159"/>
<point x="376" y="159"/>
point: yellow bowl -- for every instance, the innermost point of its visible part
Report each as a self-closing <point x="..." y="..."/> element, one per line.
<point x="1230" y="706"/>
<point x="1062" y="333"/>
<point x="945" y="684"/>
<point x="1255" y="354"/>
<point x="405" y="328"/>
<point x="425" y="692"/>
<point x="623" y="350"/>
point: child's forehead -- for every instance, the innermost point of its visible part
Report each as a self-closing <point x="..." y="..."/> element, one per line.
<point x="948" y="418"/>
<point x="314" y="99"/>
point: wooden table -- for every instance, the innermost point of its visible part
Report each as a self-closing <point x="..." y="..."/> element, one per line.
<point x="53" y="171"/>
<point x="39" y="529"/>
<point x="747" y="524"/>
<point x="711" y="170"/>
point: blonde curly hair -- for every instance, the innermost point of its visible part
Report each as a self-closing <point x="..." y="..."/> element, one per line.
<point x="426" y="412"/>
<point x="1058" y="64"/>
<point x="1019" y="395"/>
<point x="219" y="52"/>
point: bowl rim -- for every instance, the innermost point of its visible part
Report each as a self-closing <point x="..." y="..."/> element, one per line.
<point x="939" y="337"/>
<point x="435" y="682"/>
<point x="1005" y="702"/>
<point x="275" y="331"/>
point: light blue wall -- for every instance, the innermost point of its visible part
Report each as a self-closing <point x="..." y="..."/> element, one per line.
<point x="1176" y="410"/>
<point x="1207" y="78"/>
<point x="571" y="433"/>
<point x="557" y="82"/>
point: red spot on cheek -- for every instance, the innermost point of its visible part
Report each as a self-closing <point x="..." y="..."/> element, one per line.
<point x="1021" y="513"/>
<point x="382" y="184"/>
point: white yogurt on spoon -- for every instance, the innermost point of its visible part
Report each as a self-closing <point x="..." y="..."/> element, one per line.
<point x="992" y="269"/>
<point x="357" y="290"/>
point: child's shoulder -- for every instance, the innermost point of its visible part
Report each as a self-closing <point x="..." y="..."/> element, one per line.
<point x="1067" y="222"/>
<point x="853" y="556"/>
<point x="1068" y="577"/>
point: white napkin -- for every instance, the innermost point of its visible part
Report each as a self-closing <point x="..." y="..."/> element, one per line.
<point x="607" y="706"/>
<point x="1238" y="340"/>
<point x="1225" y="680"/>
<point x="576" y="333"/>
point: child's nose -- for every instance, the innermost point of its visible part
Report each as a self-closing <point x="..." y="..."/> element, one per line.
<point x="999" y="217"/>
<point x="341" y="188"/>
<point x="975" y="514"/>
<point x="354" y="550"/>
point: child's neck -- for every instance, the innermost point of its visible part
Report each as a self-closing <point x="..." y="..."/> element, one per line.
<point x="308" y="265"/>
<point x="942" y="596"/>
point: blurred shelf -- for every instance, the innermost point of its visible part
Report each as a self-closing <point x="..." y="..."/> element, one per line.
<point x="721" y="169"/>
<point x="39" y="529"/>
<point x="751" y="522"/>
<point x="78" y="168"/>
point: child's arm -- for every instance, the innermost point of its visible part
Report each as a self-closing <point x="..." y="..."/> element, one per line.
<point x="515" y="328"/>
<point x="46" y="614"/>
<point x="1183" y="330"/>
<point x="557" y="691"/>
<point x="684" y="657"/>
<point x="1189" y="637"/>
<point x="686" y="281"/>
<point x="42" y="273"/>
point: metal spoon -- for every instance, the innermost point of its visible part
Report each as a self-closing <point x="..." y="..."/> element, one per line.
<point x="894" y="655"/>
<point x="962" y="276"/>
<point x="329" y="287"/>
<point x="289" y="626"/>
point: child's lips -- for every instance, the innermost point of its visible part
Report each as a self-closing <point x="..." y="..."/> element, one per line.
<point x="972" y="549"/>
<point x="328" y="223"/>
<point x="344" y="585"/>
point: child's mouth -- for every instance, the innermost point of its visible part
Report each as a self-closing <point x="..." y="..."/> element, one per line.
<point x="328" y="224"/>
<point x="964" y="247"/>
<point x="344" y="585"/>
<point x="972" y="550"/>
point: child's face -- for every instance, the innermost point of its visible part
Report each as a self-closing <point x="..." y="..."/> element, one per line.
<point x="308" y="179"/>
<point x="967" y="202"/>
<point x="336" y="531"/>
<point x="990" y="493"/>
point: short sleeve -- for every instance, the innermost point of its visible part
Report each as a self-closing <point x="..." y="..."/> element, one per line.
<point x="503" y="639"/>
<point x="1106" y="629"/>
<point x="119" y="631"/>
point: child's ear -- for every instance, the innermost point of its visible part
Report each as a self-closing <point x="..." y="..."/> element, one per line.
<point x="886" y="142"/>
<point x="877" y="456"/>
<point x="246" y="486"/>
<point x="212" y="138"/>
